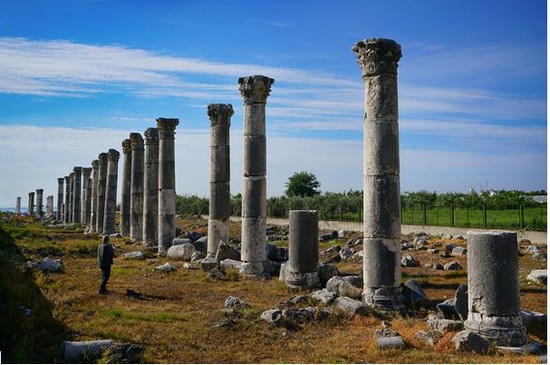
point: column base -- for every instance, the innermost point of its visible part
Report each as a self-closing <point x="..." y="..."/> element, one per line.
<point x="252" y="267"/>
<point x="389" y="298"/>
<point x="300" y="280"/>
<point x="503" y="331"/>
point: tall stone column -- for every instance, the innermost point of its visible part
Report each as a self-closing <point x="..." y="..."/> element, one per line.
<point x="93" y="200"/>
<point x="39" y="203"/>
<point x="49" y="206"/>
<point x="493" y="288"/>
<point x="18" y="205"/>
<point x="30" y="209"/>
<point x="254" y="90"/>
<point x="71" y="197"/>
<point x="136" y="188"/>
<point x="167" y="183"/>
<point x="60" y="182"/>
<point x="151" y="186"/>
<point x="219" y="207"/>
<point x="101" y="191"/>
<point x="77" y="194"/>
<point x="85" y="212"/>
<point x="110" y="192"/>
<point x="381" y="203"/>
<point x="126" y="180"/>
<point x="66" y="206"/>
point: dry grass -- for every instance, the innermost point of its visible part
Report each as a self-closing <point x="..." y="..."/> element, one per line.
<point x="176" y="317"/>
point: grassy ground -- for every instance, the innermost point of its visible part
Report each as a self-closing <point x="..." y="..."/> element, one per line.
<point x="177" y="316"/>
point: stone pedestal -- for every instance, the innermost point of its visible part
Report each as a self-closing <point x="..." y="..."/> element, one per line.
<point x="30" y="207"/>
<point x="126" y="186"/>
<point x="493" y="288"/>
<point x="302" y="268"/>
<point x="110" y="192"/>
<point x="60" y="182"/>
<point x="86" y="198"/>
<point x="18" y="205"/>
<point x="101" y="191"/>
<point x="136" y="188"/>
<point x="66" y="206"/>
<point x="167" y="183"/>
<point x="39" y="203"/>
<point x="382" y="221"/>
<point x="77" y="194"/>
<point x="93" y="201"/>
<point x="151" y="185"/>
<point x="254" y="90"/>
<point x="220" y="196"/>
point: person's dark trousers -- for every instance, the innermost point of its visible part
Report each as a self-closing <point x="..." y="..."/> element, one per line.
<point x="105" y="274"/>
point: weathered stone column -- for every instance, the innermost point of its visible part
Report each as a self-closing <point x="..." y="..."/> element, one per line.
<point x="151" y="186"/>
<point x="101" y="191"/>
<point x="126" y="180"/>
<point x="219" y="207"/>
<point x="39" y="203"/>
<point x="381" y="203"/>
<point x="18" y="205"/>
<point x="167" y="183"/>
<point x="136" y="188"/>
<point x="71" y="197"/>
<point x="49" y="206"/>
<point x="77" y="194"/>
<point x="60" y="182"/>
<point x="110" y="192"/>
<point x="93" y="200"/>
<point x="86" y="198"/>
<point x="254" y="90"/>
<point x="493" y="288"/>
<point x="66" y="206"/>
<point x="302" y="268"/>
<point x="30" y="208"/>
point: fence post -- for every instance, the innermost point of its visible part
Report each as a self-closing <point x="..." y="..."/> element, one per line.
<point x="485" y="216"/>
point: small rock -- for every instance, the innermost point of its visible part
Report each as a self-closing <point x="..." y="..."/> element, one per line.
<point x="133" y="255"/>
<point x="352" y="306"/>
<point x="300" y="299"/>
<point x="390" y="342"/>
<point x="429" y="337"/>
<point x="167" y="267"/>
<point x="459" y="251"/>
<point x="230" y="264"/>
<point x="272" y="315"/>
<point x="327" y="271"/>
<point x="414" y="295"/>
<point x="532" y="249"/>
<point x="409" y="261"/>
<point x="448" y="309"/>
<point x="201" y="245"/>
<point x="215" y="274"/>
<point x="538" y="276"/>
<point x="433" y="251"/>
<point x="461" y="301"/>
<point x="407" y="246"/>
<point x="451" y="266"/>
<point x="299" y="315"/>
<point x="197" y="256"/>
<point x="191" y="266"/>
<point x="444" y="325"/>
<point x="225" y="251"/>
<point x="183" y="251"/>
<point x="539" y="256"/>
<point x="342" y="234"/>
<point x="193" y="236"/>
<point x="346" y="253"/>
<point x="447" y="236"/>
<point x="324" y="296"/>
<point x="180" y="241"/>
<point x="470" y="342"/>
<point x="341" y="287"/>
<point x="438" y="266"/>
<point x="234" y="302"/>
<point x="125" y="353"/>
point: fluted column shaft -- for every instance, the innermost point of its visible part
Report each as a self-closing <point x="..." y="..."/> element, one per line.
<point x="381" y="203"/>
<point x="66" y="206"/>
<point x="254" y="90"/>
<point x="60" y="182"/>
<point x="136" y="188"/>
<point x="126" y="180"/>
<point x="167" y="183"/>
<point x="93" y="198"/>
<point x="219" y="206"/>
<point x="101" y="191"/>
<point x="110" y="192"/>
<point x="151" y="186"/>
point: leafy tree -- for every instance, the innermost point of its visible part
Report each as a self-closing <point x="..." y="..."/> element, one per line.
<point x="302" y="184"/>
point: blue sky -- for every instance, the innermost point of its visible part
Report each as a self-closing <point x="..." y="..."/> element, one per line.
<point x="78" y="76"/>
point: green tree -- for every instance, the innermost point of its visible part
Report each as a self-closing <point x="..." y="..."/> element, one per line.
<point x="302" y="184"/>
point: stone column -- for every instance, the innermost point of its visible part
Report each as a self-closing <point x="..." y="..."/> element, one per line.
<point x="39" y="203"/>
<point x="60" y="182"/>
<point x="49" y="206"/>
<point x="126" y="179"/>
<point x="85" y="205"/>
<point x="101" y="191"/>
<point x="110" y="192"/>
<point x="381" y="203"/>
<point x="151" y="186"/>
<point x="136" y="188"/>
<point x="302" y="268"/>
<point x="71" y="197"/>
<point x="219" y="207"/>
<point x="167" y="183"/>
<point x="93" y="200"/>
<point x="66" y="206"/>
<point x="30" y="209"/>
<point x="77" y="194"/>
<point x="18" y="205"/>
<point x="493" y="288"/>
<point x="254" y="90"/>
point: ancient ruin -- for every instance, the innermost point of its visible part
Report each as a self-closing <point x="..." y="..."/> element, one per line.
<point x="39" y="203"/>
<point x="66" y="207"/>
<point x="101" y="191"/>
<point x="30" y="208"/>
<point x="126" y="180"/>
<point x="151" y="183"/>
<point x="110" y="192"/>
<point x="86" y="195"/>
<point x="93" y="202"/>
<point x="60" y="213"/>
<point x="136" y="188"/>
<point x="18" y="205"/>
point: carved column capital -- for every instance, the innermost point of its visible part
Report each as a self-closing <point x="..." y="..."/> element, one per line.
<point x="220" y="114"/>
<point x="166" y="127"/>
<point x="137" y="141"/>
<point x="255" y="89"/>
<point x="151" y="136"/>
<point x="86" y="172"/>
<point x="126" y="146"/>
<point x="102" y="157"/>
<point x="77" y="170"/>
<point x="67" y="179"/>
<point x="60" y="180"/>
<point x="113" y="155"/>
<point x="377" y="56"/>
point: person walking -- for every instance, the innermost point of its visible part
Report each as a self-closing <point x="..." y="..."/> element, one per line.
<point x="105" y="253"/>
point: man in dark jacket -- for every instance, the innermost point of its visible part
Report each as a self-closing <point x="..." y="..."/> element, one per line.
<point x="105" y="253"/>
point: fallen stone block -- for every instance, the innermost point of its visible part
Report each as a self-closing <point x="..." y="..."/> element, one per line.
<point x="390" y="342"/>
<point x="352" y="306"/>
<point x="324" y="296"/>
<point x="184" y="251"/>
<point x="76" y="351"/>
<point x="470" y="342"/>
<point x="538" y="276"/>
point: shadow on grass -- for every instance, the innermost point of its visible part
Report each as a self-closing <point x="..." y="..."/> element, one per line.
<point x="29" y="333"/>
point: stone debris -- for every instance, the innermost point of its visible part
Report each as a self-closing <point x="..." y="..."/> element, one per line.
<point x="447" y="309"/>
<point x="324" y="296"/>
<point x="443" y="325"/>
<point x="470" y="342"/>
<point x="183" y="251"/>
<point x="538" y="276"/>
<point x="409" y="261"/>
<point x="342" y="287"/>
<point x="414" y="295"/>
<point x="461" y="301"/>
<point x="133" y="255"/>
<point x="390" y="342"/>
<point x="230" y="264"/>
<point x="459" y="251"/>
<point x="452" y="266"/>
<point x="47" y="264"/>
<point x="352" y="306"/>
<point x="327" y="271"/>
<point x="167" y="267"/>
<point x="191" y="266"/>
<point x="429" y="337"/>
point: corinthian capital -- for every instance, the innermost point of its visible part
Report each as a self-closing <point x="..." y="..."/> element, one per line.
<point x="137" y="141"/>
<point x="77" y="170"/>
<point x="86" y="172"/>
<point x="102" y="157"/>
<point x="126" y="146"/>
<point x="167" y="126"/>
<point x="255" y="89"/>
<point x="151" y="136"/>
<point x="220" y="113"/>
<point x="113" y="155"/>
<point x="377" y="56"/>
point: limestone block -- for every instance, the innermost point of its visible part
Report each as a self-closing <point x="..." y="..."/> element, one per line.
<point x="383" y="254"/>
<point x="341" y="287"/>
<point x="470" y="342"/>
<point x="254" y="159"/>
<point x="75" y="351"/>
<point x="254" y="120"/>
<point x="324" y="296"/>
<point x="220" y="206"/>
<point x="219" y="164"/>
<point x="254" y="203"/>
<point x="381" y="148"/>
<point x="414" y="295"/>
<point x="253" y="246"/>
<point x="352" y="306"/>
<point x="183" y="251"/>
<point x="538" y="276"/>
<point x="381" y="202"/>
<point x="219" y="135"/>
